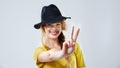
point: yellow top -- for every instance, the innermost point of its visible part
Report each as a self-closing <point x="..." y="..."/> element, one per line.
<point x="76" y="59"/>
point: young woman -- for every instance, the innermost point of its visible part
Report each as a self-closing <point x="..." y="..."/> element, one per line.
<point x="55" y="51"/>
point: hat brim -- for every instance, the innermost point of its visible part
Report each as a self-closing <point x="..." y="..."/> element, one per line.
<point x="38" y="25"/>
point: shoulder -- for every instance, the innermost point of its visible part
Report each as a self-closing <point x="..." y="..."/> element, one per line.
<point x="38" y="50"/>
<point x="77" y="45"/>
<point x="77" y="48"/>
<point x="42" y="47"/>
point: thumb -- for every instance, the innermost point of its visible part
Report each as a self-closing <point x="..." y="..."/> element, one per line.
<point x="65" y="47"/>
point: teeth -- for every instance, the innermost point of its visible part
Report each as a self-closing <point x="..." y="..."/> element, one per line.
<point x="54" y="33"/>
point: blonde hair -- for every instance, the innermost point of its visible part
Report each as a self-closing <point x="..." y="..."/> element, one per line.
<point x="61" y="37"/>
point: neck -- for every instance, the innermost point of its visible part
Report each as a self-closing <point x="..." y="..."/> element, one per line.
<point x="52" y="43"/>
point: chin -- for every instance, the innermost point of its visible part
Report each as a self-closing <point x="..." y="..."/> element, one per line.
<point x="54" y="37"/>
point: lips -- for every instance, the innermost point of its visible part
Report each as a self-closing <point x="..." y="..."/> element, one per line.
<point x="55" y="33"/>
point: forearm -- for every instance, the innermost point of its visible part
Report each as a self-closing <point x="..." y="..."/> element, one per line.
<point x="55" y="54"/>
<point x="50" y="55"/>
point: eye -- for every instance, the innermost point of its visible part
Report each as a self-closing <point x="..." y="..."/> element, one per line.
<point x="58" y="24"/>
<point x="49" y="25"/>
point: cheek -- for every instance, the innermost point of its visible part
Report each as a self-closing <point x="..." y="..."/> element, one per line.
<point x="61" y="30"/>
<point x="46" y="31"/>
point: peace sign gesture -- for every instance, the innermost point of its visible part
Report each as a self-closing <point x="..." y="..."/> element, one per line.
<point x="69" y="46"/>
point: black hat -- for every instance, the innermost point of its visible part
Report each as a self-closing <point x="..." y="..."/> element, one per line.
<point x="50" y="14"/>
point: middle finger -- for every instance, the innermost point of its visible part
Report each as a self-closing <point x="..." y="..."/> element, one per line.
<point x="76" y="35"/>
<point x="72" y="33"/>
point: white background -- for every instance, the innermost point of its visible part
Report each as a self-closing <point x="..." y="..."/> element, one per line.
<point x="99" y="21"/>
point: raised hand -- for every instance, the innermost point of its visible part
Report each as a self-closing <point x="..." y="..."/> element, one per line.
<point x="69" y="46"/>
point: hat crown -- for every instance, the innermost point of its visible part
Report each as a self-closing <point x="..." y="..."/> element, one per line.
<point x="49" y="13"/>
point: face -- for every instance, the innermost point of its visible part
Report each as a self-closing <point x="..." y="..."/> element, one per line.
<point x="52" y="31"/>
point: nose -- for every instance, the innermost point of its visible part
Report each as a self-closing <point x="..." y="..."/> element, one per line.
<point x="54" y="27"/>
